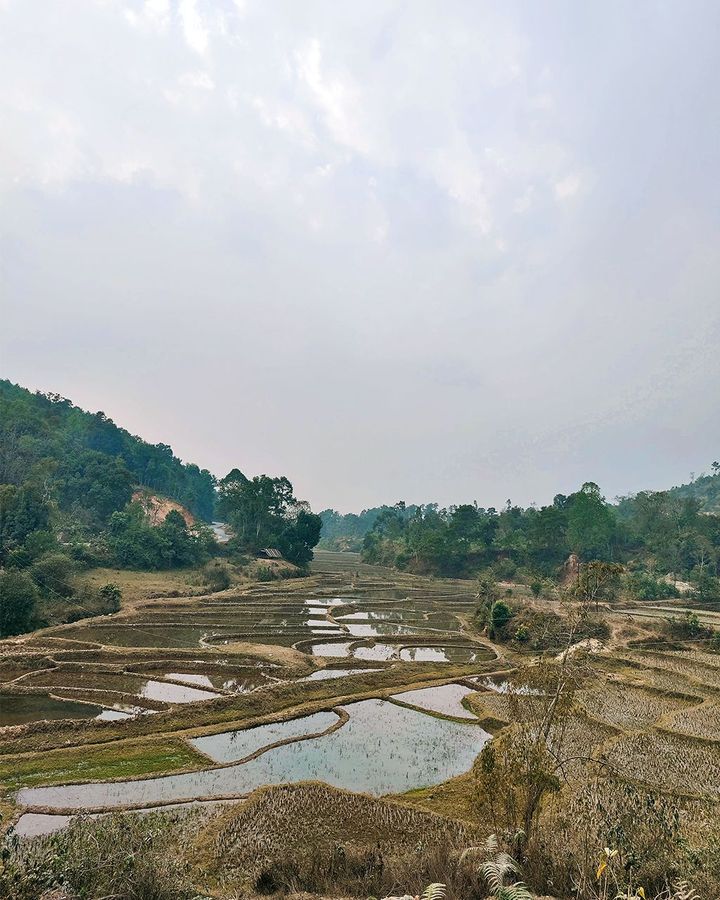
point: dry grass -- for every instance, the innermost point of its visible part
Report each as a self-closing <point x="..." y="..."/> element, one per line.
<point x="315" y="838"/>
<point x="629" y="707"/>
<point x="698" y="721"/>
<point x="668" y="761"/>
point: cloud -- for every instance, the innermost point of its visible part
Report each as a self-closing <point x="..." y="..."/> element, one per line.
<point x="391" y="249"/>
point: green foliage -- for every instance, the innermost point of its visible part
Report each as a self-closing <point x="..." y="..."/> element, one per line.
<point x="111" y="595"/>
<point x="667" y="532"/>
<point x="83" y="461"/>
<point x="18" y="596"/>
<point x="500" y="615"/>
<point x="23" y="513"/>
<point x="346" y="532"/>
<point x="645" y="586"/>
<point x="706" y="586"/>
<point x="689" y="627"/>
<point x="263" y="512"/>
<point x="138" y="545"/>
<point x="462" y="539"/>
<point x="53" y="572"/>
<point x="590" y="523"/>
<point x="497" y="869"/>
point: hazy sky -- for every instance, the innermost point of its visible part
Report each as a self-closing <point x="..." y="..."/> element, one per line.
<point x="402" y="249"/>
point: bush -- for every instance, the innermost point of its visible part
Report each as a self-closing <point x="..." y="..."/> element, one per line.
<point x="53" y="573"/>
<point x="119" y="856"/>
<point x="644" y="586"/>
<point x="505" y="569"/>
<point x="216" y="576"/>
<point x="18" y="596"/>
<point x="111" y="595"/>
<point x="500" y="615"/>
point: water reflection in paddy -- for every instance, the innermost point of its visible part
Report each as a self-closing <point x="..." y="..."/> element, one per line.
<point x="361" y="629"/>
<point x="377" y="652"/>
<point x="238" y="684"/>
<point x="331" y="649"/>
<point x="234" y="745"/>
<point x="449" y="654"/>
<point x="17" y="709"/>
<point x="323" y="674"/>
<point x="384" y="748"/>
<point x="445" y="698"/>
<point x="174" y="693"/>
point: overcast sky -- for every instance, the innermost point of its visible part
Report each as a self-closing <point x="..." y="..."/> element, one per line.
<point x="392" y="248"/>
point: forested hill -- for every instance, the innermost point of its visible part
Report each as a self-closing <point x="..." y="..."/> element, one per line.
<point x="85" y="461"/>
<point x="705" y="489"/>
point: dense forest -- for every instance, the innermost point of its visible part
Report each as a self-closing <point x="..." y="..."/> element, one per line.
<point x="652" y="534"/>
<point x="346" y="532"/>
<point x="85" y="461"/>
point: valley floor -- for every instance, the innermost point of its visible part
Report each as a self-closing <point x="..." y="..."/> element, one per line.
<point x="356" y="677"/>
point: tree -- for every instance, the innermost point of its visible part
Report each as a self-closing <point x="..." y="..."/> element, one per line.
<point x="500" y="615"/>
<point x="111" y="595"/>
<point x="598" y="580"/>
<point x="96" y="482"/>
<point x="591" y="524"/>
<point x="264" y="512"/>
<point x="18" y="596"/>
<point x="299" y="537"/>
<point x="256" y="508"/>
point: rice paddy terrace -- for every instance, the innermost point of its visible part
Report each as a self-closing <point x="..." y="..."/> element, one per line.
<point x="355" y="676"/>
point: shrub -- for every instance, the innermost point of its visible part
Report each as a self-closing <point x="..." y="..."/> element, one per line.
<point x="53" y="573"/>
<point x="18" y="596"/>
<point x="216" y="575"/>
<point x="644" y="586"/>
<point x="119" y="856"/>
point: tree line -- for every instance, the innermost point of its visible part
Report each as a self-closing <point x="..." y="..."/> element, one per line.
<point x="652" y="533"/>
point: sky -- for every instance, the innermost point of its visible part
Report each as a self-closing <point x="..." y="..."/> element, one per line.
<point x="432" y="251"/>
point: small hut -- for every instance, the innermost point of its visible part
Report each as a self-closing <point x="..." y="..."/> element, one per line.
<point x="269" y="553"/>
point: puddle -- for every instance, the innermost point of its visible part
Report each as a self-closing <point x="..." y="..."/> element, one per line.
<point x="234" y="745"/>
<point x="445" y="698"/>
<point x="383" y="749"/>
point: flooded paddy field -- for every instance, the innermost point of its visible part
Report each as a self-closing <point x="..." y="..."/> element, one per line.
<point x="383" y="748"/>
<point x="18" y="709"/>
<point x="359" y="677"/>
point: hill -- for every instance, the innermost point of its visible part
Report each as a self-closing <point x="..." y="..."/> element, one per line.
<point x="78" y="492"/>
<point x="705" y="489"/>
<point x="88" y="462"/>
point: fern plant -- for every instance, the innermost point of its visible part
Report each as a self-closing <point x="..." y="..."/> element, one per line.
<point x="433" y="892"/>
<point x="498" y="869"/>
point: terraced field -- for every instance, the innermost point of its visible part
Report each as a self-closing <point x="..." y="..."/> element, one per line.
<point x="355" y="676"/>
